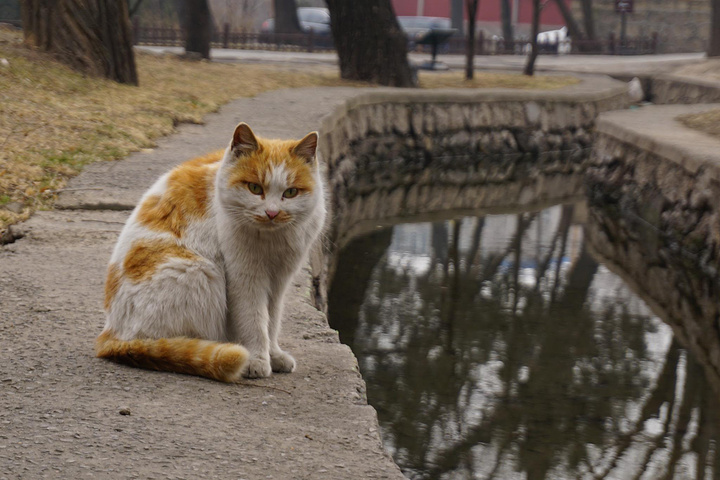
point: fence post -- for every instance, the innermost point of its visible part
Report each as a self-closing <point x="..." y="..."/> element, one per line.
<point x="654" y="43"/>
<point x="311" y="40"/>
<point x="226" y="35"/>
<point x="481" y="43"/>
<point x="611" y="43"/>
<point x="136" y="30"/>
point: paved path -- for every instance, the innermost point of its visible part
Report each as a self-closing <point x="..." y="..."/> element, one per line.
<point x="60" y="407"/>
<point x="617" y="65"/>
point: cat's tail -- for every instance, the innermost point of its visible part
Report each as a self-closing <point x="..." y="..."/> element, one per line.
<point x="219" y="361"/>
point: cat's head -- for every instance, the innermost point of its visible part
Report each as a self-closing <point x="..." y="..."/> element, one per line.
<point x="270" y="183"/>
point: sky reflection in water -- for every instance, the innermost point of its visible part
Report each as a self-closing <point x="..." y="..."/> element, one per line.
<point x="497" y="347"/>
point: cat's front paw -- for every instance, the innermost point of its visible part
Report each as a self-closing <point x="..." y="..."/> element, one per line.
<point x="257" y="367"/>
<point x="282" y="362"/>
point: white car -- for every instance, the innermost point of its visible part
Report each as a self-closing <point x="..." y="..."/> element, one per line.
<point x="560" y="37"/>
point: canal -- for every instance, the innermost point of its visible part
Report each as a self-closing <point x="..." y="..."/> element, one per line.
<point x="501" y="347"/>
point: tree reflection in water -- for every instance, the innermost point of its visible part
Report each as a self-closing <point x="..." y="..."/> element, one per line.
<point x="496" y="347"/>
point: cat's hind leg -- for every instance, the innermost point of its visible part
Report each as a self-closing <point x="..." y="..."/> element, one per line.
<point x="170" y="317"/>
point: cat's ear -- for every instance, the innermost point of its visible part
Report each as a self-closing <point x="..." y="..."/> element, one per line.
<point x="307" y="147"/>
<point x="244" y="140"/>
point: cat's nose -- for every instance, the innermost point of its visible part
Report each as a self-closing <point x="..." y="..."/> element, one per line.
<point x="271" y="213"/>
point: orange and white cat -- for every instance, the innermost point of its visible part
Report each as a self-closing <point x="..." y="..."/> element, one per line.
<point x="197" y="279"/>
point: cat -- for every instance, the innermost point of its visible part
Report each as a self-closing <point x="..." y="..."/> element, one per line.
<point x="197" y="278"/>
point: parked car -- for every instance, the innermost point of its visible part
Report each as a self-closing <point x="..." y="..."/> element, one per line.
<point x="417" y="27"/>
<point x="315" y="19"/>
<point x="557" y="40"/>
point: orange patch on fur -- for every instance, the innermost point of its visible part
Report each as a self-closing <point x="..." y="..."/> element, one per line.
<point x="145" y="256"/>
<point x="207" y="159"/>
<point x="186" y="197"/>
<point x="255" y="167"/>
<point x="112" y="284"/>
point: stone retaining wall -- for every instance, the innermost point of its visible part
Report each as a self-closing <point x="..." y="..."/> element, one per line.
<point x="653" y="187"/>
<point x="391" y="153"/>
<point x="664" y="277"/>
<point x="672" y="89"/>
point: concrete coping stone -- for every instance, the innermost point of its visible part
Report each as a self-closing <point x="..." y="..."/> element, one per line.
<point x="591" y="88"/>
<point x="657" y="130"/>
<point x="689" y="79"/>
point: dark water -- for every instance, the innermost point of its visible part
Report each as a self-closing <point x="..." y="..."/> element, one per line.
<point x="498" y="347"/>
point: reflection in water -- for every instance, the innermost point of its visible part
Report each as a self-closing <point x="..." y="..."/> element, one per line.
<point x="496" y="347"/>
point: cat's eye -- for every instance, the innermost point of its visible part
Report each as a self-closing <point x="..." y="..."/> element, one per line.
<point x="290" y="193"/>
<point x="255" y="188"/>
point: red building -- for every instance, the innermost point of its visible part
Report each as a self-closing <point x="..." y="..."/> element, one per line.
<point x="488" y="16"/>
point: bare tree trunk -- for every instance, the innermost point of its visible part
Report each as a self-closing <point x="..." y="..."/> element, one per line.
<point x="530" y="65"/>
<point x="94" y="37"/>
<point x="471" y="6"/>
<point x="714" y="44"/>
<point x="572" y="26"/>
<point x="197" y="23"/>
<point x="370" y="44"/>
<point x="588" y="19"/>
<point x="286" y="19"/>
<point x="506" y="18"/>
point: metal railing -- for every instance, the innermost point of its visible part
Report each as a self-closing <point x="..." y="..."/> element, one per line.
<point x="15" y="22"/>
<point x="311" y="42"/>
<point x="610" y="46"/>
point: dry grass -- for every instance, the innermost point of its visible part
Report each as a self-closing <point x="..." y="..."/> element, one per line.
<point x="707" y="122"/>
<point x="53" y="121"/>
<point x="495" y="80"/>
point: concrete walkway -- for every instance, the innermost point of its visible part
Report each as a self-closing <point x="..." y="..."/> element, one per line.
<point x="613" y="65"/>
<point x="66" y="414"/>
